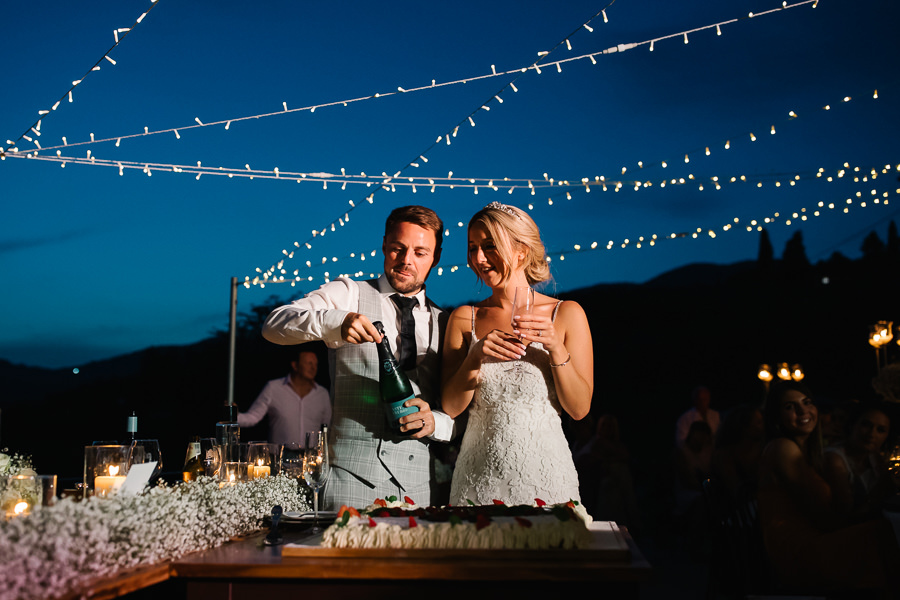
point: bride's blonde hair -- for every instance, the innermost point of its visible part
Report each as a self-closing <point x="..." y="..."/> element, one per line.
<point x="513" y="230"/>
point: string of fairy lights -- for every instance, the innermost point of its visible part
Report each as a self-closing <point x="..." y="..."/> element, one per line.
<point x="536" y="66"/>
<point x="33" y="133"/>
<point x="389" y="183"/>
<point x="392" y="182"/>
<point x="861" y="199"/>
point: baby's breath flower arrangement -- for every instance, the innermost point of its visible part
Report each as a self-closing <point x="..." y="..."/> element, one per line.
<point x="14" y="464"/>
<point x="57" y="548"/>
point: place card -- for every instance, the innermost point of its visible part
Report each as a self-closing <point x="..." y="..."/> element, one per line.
<point x="138" y="478"/>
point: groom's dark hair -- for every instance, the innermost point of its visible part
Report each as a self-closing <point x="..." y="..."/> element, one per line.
<point x="417" y="215"/>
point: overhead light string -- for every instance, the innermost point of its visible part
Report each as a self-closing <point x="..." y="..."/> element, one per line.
<point x="282" y="276"/>
<point x="533" y="184"/>
<point x="536" y="66"/>
<point x="446" y="137"/>
<point x="36" y="126"/>
<point x="784" y="218"/>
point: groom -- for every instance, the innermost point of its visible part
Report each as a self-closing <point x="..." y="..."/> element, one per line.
<point x="369" y="461"/>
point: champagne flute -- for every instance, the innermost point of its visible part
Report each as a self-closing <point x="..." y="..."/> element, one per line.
<point x="315" y="471"/>
<point x="523" y="304"/>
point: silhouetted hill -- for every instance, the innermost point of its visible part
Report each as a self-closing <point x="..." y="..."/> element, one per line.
<point x="700" y="274"/>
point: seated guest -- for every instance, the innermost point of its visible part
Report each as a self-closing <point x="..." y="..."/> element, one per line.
<point x="692" y="466"/>
<point x="810" y="546"/>
<point x="736" y="451"/>
<point x="295" y="403"/>
<point x="856" y="469"/>
<point x="701" y="411"/>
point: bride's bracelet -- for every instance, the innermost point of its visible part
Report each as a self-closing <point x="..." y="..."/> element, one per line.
<point x="563" y="363"/>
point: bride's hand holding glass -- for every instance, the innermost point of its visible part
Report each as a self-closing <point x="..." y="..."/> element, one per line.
<point x="501" y="344"/>
<point x="536" y="328"/>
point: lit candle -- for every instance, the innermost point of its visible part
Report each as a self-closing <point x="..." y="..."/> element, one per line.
<point x="260" y="470"/>
<point x="22" y="507"/>
<point x="105" y="485"/>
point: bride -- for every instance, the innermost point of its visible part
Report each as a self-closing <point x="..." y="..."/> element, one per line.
<point x="515" y="376"/>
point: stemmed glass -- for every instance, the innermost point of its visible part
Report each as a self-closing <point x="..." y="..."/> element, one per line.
<point x="292" y="456"/>
<point x="523" y="304"/>
<point x="315" y="470"/>
<point x="145" y="451"/>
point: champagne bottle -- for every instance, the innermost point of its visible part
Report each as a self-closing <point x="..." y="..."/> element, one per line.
<point x="193" y="461"/>
<point x="131" y="429"/>
<point x="393" y="383"/>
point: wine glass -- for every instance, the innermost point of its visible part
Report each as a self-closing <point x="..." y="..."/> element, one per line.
<point x="145" y="451"/>
<point x="210" y="457"/>
<point x="291" y="459"/>
<point x="523" y="304"/>
<point x="315" y="471"/>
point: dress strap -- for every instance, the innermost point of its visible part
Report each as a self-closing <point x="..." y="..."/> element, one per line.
<point x="555" y="310"/>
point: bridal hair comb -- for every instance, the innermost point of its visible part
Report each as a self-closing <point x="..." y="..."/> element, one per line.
<point x="507" y="209"/>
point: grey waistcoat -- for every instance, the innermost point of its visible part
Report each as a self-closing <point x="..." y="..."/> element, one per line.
<point x="361" y="441"/>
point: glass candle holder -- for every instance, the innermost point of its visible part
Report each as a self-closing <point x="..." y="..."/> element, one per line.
<point x="264" y="459"/>
<point x="235" y="466"/>
<point x="22" y="494"/>
<point x="105" y="469"/>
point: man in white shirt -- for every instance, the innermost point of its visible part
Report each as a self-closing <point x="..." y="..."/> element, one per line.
<point x="700" y="412"/>
<point x="370" y="461"/>
<point x="295" y="404"/>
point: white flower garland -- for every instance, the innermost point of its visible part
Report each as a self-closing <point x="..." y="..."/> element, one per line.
<point x="57" y="548"/>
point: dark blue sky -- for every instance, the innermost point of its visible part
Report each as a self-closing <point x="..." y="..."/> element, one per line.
<point x="98" y="264"/>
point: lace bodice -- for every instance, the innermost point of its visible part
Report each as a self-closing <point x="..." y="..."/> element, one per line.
<point x="514" y="448"/>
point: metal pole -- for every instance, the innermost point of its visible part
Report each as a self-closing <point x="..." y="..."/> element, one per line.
<point x="232" y="337"/>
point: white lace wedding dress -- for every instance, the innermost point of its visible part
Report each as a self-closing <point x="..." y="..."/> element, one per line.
<point x="514" y="449"/>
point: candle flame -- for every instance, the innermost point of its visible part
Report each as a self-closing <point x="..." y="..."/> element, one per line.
<point x="231" y="477"/>
<point x="259" y="462"/>
<point x="113" y="470"/>
<point x="20" y="507"/>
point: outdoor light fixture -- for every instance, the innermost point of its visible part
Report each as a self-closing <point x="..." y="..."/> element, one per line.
<point x="881" y="334"/>
<point x="784" y="372"/>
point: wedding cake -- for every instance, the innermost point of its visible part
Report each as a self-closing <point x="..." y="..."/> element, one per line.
<point x="390" y="523"/>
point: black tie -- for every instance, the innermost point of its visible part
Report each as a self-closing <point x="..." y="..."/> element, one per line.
<point x="407" y="330"/>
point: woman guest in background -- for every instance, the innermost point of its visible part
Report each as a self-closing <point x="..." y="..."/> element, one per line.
<point x="810" y="546"/>
<point x="515" y="377"/>
<point x="856" y="469"/>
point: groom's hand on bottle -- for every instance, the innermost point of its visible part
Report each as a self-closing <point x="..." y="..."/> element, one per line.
<point x="421" y="423"/>
<point x="358" y="329"/>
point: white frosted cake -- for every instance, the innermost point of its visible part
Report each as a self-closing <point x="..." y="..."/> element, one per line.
<point x="401" y="524"/>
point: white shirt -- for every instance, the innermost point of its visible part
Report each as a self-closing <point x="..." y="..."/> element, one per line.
<point x="291" y="416"/>
<point x="683" y="426"/>
<point x="320" y="314"/>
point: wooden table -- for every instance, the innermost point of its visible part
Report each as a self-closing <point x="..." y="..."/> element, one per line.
<point x="247" y="569"/>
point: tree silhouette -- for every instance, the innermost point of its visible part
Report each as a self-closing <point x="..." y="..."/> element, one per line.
<point x="893" y="242"/>
<point x="794" y="257"/>
<point x="872" y="247"/>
